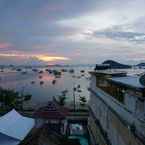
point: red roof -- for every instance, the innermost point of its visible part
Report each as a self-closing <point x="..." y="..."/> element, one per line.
<point x="52" y="111"/>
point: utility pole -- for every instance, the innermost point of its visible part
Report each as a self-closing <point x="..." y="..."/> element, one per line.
<point x="74" y="98"/>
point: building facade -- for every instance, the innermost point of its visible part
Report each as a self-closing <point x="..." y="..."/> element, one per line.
<point x="117" y="109"/>
<point x="53" y="117"/>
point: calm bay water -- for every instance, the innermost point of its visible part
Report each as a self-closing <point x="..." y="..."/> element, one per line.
<point x="41" y="93"/>
<point x="29" y="83"/>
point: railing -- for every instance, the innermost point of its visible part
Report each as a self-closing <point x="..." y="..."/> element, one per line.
<point x="125" y="116"/>
<point x="102" y="131"/>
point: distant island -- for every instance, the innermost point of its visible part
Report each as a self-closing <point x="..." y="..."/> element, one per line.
<point x="111" y="64"/>
<point x="141" y="64"/>
<point x="116" y="65"/>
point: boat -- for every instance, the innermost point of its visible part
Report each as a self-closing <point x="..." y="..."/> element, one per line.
<point x="32" y="82"/>
<point x="71" y="71"/>
<point x="41" y="71"/>
<point x="41" y="82"/>
<point x="19" y="69"/>
<point x="82" y="71"/>
<point x="40" y="77"/>
<point x="53" y="82"/>
<point x="34" y="70"/>
<point x="79" y="91"/>
<point x="64" y="70"/>
<point x="24" y="72"/>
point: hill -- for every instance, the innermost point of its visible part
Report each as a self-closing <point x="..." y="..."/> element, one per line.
<point x="141" y="64"/>
<point x="116" y="65"/>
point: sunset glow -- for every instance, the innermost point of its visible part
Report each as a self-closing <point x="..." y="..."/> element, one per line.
<point x="50" y="58"/>
<point x="44" y="58"/>
<point x="71" y="31"/>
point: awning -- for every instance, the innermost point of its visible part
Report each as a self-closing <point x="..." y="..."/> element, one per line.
<point x="14" y="128"/>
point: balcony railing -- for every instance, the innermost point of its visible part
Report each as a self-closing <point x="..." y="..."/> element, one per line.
<point x="125" y="116"/>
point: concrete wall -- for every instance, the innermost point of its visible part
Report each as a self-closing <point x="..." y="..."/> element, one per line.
<point x="118" y="133"/>
<point x="114" y="123"/>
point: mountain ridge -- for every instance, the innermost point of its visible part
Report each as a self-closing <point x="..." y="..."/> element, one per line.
<point x="116" y="65"/>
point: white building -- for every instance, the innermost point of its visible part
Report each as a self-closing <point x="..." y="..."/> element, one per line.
<point x="117" y="109"/>
<point x="14" y="128"/>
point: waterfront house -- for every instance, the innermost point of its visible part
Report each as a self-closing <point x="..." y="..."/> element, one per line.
<point x="14" y="128"/>
<point x="117" y="109"/>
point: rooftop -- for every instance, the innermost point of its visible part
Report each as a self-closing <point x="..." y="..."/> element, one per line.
<point x="110" y="72"/>
<point x="51" y="111"/>
<point x="14" y="128"/>
<point x="129" y="81"/>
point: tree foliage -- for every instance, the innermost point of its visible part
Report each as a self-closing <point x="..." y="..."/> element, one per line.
<point x="61" y="100"/>
<point x="83" y="100"/>
<point x="12" y="99"/>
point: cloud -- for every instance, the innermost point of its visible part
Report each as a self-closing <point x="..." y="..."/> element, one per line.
<point x="41" y="57"/>
<point x="119" y="35"/>
<point x="51" y="29"/>
<point x="4" y="45"/>
<point x="50" y="58"/>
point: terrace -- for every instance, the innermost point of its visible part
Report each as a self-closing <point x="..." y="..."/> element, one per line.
<point x="112" y="90"/>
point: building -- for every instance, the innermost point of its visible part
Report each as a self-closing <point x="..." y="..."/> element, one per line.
<point x="117" y="109"/>
<point x="14" y="128"/>
<point x="53" y="117"/>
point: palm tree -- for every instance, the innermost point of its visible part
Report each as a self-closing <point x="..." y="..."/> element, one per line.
<point x="27" y="97"/>
<point x="74" y="98"/>
<point x="8" y="98"/>
<point x="64" y="92"/>
<point x="23" y="98"/>
<point x="61" y="100"/>
<point x="83" y="100"/>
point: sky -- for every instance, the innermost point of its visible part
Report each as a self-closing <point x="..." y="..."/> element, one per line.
<point x="36" y="32"/>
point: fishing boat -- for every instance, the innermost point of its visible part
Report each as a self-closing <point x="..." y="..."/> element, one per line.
<point x="71" y="71"/>
<point x="53" y="82"/>
<point x="41" y="71"/>
<point x="32" y="82"/>
<point x="82" y="71"/>
<point x="41" y="82"/>
<point x="24" y="72"/>
<point x="34" y="70"/>
<point x="40" y="77"/>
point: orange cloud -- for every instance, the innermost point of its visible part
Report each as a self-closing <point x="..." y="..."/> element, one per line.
<point x="13" y="55"/>
<point x="50" y="58"/>
<point x="45" y="58"/>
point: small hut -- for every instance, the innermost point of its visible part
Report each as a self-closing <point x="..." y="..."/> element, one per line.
<point x="53" y="117"/>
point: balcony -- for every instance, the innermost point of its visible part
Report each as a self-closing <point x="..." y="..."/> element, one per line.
<point x="127" y="117"/>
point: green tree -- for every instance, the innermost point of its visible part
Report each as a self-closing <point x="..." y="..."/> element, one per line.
<point x="27" y="97"/>
<point x="83" y="100"/>
<point x="62" y="100"/>
<point x="11" y="99"/>
<point x="8" y="98"/>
